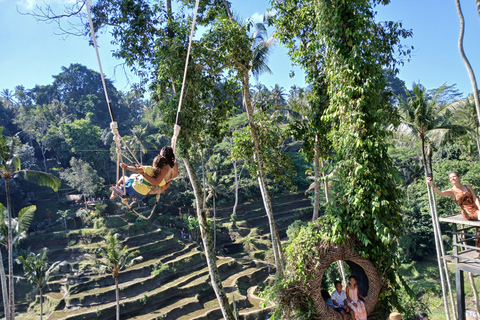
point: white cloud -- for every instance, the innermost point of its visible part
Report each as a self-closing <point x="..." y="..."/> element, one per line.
<point x="257" y="17"/>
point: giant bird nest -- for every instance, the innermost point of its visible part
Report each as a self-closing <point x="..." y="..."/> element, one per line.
<point x="323" y="254"/>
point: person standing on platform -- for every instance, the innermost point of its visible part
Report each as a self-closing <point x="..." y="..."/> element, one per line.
<point x="465" y="197"/>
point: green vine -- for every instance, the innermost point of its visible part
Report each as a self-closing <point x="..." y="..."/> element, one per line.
<point x="366" y="203"/>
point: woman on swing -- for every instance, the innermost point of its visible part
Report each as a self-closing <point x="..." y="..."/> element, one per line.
<point x="465" y="197"/>
<point x="147" y="178"/>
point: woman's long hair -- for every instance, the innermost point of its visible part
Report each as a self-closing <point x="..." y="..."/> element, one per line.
<point x="165" y="157"/>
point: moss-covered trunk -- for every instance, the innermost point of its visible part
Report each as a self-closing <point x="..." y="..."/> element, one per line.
<point x="3" y="279"/>
<point x="262" y="177"/>
<point x="316" y="167"/>
<point x="11" y="293"/>
<point x="206" y="237"/>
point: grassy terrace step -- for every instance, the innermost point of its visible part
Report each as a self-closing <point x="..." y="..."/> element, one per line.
<point x="186" y="307"/>
<point x="167" y="294"/>
<point x="164" y="247"/>
<point x="248" y="206"/>
<point x="173" y="279"/>
<point x="136" y="283"/>
<point x="277" y="209"/>
<point x="137" y="240"/>
<point x="211" y="309"/>
<point x="290" y="214"/>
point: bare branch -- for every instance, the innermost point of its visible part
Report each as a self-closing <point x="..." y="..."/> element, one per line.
<point x="48" y="15"/>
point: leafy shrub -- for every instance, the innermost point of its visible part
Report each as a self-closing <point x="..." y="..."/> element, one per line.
<point x="294" y="229"/>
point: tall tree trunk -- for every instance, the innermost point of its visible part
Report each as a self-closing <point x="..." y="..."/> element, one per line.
<point x="342" y="272"/>
<point x="236" y="187"/>
<point x="440" y="241"/>
<point x="203" y="180"/>
<point x="41" y="304"/>
<point x="262" y="179"/>
<point x="475" y="293"/>
<point x="226" y="4"/>
<point x="437" y="246"/>
<point x="214" y="226"/>
<point x="464" y="57"/>
<point x="478" y="7"/>
<point x="169" y="8"/>
<point x="42" y="149"/>
<point x="325" y="182"/>
<point x="117" y="298"/>
<point x="316" y="166"/>
<point x="3" y="279"/>
<point x="438" y="251"/>
<point x="11" y="292"/>
<point x="207" y="242"/>
<point x="477" y="139"/>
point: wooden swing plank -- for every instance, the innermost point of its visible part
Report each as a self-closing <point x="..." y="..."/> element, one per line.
<point x="120" y="192"/>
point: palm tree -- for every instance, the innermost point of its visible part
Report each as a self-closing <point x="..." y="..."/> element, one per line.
<point x="277" y="96"/>
<point x="37" y="270"/>
<point x="64" y="214"/>
<point x="466" y="111"/>
<point x="260" y="95"/>
<point x="113" y="259"/>
<point x="20" y="227"/>
<point x="250" y="56"/>
<point x="424" y="119"/>
<point x="10" y="167"/>
<point x="8" y="96"/>
<point x="140" y="140"/>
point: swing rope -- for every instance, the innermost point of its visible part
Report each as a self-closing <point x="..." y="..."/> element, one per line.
<point x="114" y="125"/>
<point x="176" y="127"/>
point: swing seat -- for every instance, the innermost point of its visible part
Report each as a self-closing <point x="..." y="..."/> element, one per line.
<point x="120" y="192"/>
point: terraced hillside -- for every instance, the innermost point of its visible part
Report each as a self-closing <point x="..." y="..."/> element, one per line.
<point x="172" y="281"/>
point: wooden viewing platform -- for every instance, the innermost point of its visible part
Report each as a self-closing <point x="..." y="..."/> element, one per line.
<point x="464" y="255"/>
<point x="459" y="219"/>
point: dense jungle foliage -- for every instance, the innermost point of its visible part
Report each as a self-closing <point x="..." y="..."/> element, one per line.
<point x="355" y="114"/>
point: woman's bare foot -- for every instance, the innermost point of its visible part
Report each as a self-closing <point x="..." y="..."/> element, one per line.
<point x="113" y="194"/>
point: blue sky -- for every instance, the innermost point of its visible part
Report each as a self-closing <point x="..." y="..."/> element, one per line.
<point x="32" y="51"/>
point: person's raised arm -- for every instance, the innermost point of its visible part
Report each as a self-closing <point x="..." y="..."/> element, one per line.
<point x="132" y="168"/>
<point x="445" y="193"/>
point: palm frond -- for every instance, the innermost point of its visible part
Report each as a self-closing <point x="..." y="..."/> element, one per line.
<point x="41" y="178"/>
<point x="25" y="217"/>
<point x="446" y="132"/>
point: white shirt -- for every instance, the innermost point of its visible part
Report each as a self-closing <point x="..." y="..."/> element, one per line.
<point x="339" y="298"/>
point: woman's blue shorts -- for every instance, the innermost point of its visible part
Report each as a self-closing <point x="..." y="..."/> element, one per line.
<point x="130" y="191"/>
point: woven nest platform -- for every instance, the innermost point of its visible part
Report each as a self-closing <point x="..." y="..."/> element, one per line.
<point x="368" y="279"/>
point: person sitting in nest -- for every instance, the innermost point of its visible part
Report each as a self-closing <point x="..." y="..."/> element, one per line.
<point x="329" y="302"/>
<point x="339" y="298"/>
<point x="147" y="178"/>
<point x="353" y="300"/>
<point x="465" y="197"/>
